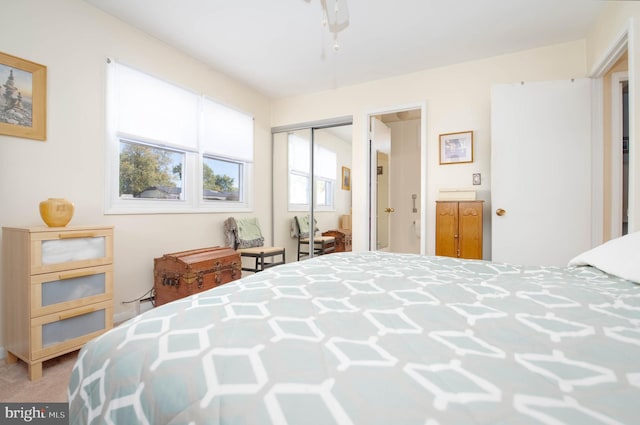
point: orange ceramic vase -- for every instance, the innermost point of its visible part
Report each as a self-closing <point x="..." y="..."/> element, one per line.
<point x="56" y="212"/>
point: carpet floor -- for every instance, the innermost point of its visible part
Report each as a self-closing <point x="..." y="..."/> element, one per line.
<point x="15" y="385"/>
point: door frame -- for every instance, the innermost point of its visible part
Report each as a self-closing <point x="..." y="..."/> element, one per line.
<point x="371" y="195"/>
<point x="617" y="78"/>
<point x="620" y="45"/>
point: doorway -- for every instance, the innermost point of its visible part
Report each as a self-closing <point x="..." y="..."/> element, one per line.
<point x="397" y="169"/>
<point x="614" y="191"/>
<point x="620" y="154"/>
<point x="618" y="147"/>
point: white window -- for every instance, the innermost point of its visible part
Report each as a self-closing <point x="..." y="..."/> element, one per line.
<point x="172" y="150"/>
<point x="324" y="176"/>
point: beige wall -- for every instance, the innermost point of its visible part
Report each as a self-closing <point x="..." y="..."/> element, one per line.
<point x="73" y="40"/>
<point x="458" y="98"/>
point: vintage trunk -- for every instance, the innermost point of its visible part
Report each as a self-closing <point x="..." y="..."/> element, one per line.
<point x="184" y="273"/>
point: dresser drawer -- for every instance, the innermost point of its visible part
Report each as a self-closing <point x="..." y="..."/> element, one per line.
<point x="69" y="249"/>
<point x="65" y="331"/>
<point x="53" y="292"/>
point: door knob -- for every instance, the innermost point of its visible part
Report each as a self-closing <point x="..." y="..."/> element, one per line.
<point x="389" y="210"/>
<point x="500" y="212"/>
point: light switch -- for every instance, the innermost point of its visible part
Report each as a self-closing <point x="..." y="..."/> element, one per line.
<point x="477" y="179"/>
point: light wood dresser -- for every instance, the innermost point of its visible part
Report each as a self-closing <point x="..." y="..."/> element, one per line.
<point x="57" y="290"/>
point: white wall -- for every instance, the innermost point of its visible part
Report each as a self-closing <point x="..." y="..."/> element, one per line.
<point x="457" y="99"/>
<point x="73" y="40"/>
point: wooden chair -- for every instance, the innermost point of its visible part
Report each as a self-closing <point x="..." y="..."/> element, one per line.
<point x="321" y="244"/>
<point x="245" y="236"/>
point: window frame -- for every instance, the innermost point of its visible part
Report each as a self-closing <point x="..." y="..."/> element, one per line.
<point x="192" y="191"/>
<point x="309" y="186"/>
<point x="331" y="194"/>
<point x="241" y="177"/>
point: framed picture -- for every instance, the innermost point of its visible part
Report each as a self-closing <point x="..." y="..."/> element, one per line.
<point x="456" y="148"/>
<point x="23" y="98"/>
<point x="346" y="178"/>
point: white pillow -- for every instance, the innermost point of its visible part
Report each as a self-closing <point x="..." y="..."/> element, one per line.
<point x="619" y="257"/>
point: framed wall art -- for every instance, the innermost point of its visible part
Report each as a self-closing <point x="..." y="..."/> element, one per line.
<point x="456" y="148"/>
<point x="23" y="98"/>
<point x="346" y="178"/>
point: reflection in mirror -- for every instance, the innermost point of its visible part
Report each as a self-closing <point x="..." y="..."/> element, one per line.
<point x="303" y="190"/>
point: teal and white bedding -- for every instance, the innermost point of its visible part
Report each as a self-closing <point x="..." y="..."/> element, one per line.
<point x="375" y="338"/>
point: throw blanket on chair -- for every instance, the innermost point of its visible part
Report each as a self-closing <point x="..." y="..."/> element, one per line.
<point x="301" y="229"/>
<point x="243" y="233"/>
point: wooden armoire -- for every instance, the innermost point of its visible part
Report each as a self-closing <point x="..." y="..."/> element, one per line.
<point x="459" y="229"/>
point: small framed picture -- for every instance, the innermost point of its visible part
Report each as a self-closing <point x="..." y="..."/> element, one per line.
<point x="456" y="148"/>
<point x="346" y="178"/>
<point x="23" y="98"/>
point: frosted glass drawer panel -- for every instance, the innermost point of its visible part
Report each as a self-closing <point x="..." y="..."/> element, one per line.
<point x="73" y="327"/>
<point x="59" y="291"/>
<point x="67" y="249"/>
<point x="77" y="249"/>
<point x="66" y="289"/>
<point x="63" y="331"/>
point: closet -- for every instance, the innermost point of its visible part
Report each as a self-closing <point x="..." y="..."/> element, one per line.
<point x="459" y="229"/>
<point x="310" y="164"/>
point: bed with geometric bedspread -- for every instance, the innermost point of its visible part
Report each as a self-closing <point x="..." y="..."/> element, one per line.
<point x="375" y="338"/>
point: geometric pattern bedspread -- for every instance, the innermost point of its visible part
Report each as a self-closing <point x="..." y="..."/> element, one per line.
<point x="375" y="338"/>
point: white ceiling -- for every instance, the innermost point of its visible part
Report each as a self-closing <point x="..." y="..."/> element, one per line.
<point x="280" y="48"/>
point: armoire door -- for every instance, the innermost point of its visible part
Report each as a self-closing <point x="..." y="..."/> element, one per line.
<point x="470" y="230"/>
<point x="447" y="229"/>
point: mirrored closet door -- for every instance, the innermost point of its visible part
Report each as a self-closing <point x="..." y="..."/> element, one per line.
<point x="312" y="184"/>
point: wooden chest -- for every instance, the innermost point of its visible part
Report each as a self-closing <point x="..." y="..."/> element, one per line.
<point x="184" y="273"/>
<point x="343" y="239"/>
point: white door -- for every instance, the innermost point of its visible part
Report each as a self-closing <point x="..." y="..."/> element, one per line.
<point x="380" y="137"/>
<point x="540" y="171"/>
<point x="383" y="209"/>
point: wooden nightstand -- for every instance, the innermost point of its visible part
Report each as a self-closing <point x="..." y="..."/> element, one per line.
<point x="58" y="290"/>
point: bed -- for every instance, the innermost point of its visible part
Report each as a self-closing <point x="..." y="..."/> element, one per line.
<point x="379" y="338"/>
